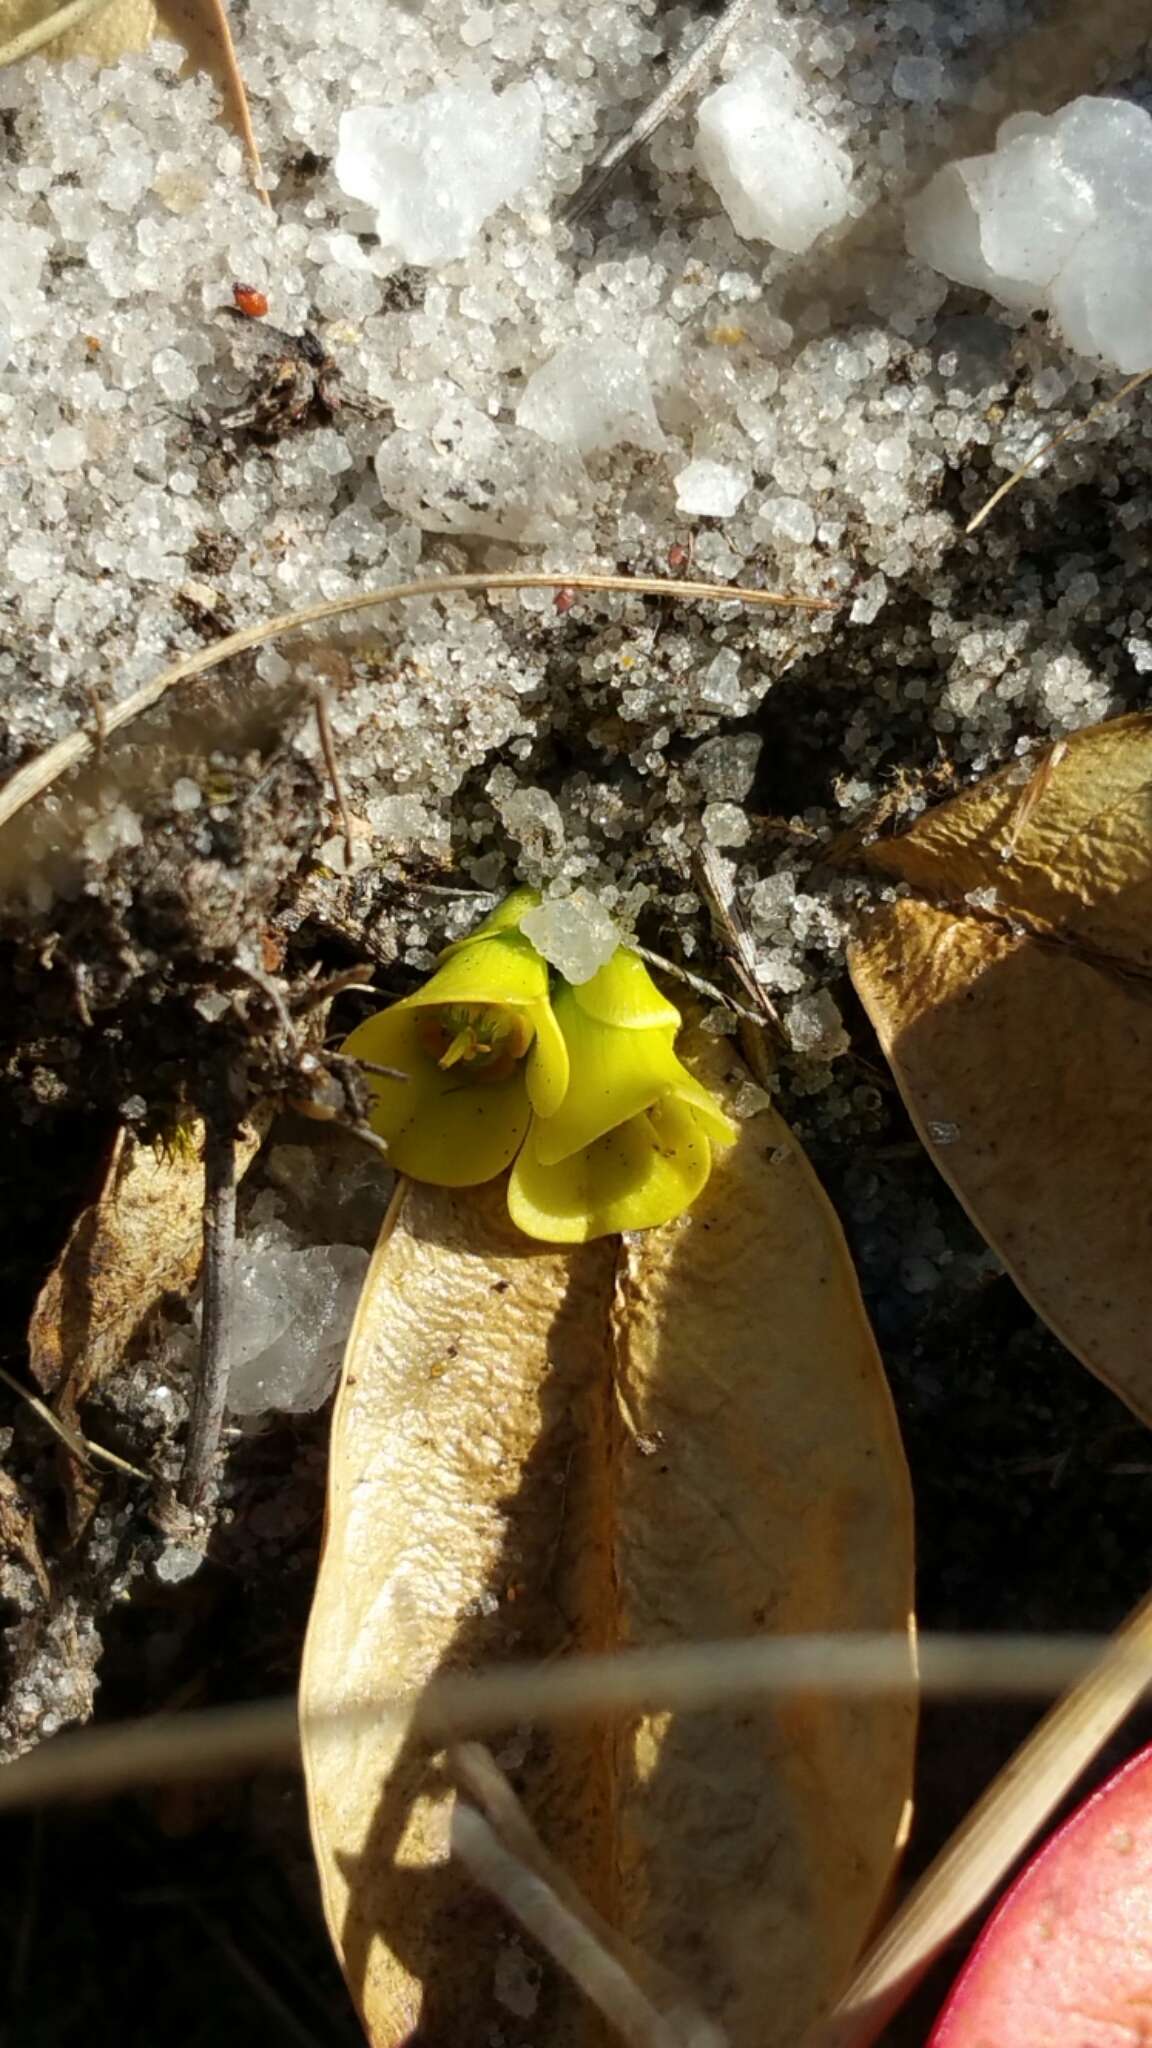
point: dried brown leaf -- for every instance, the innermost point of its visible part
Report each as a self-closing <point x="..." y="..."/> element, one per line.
<point x="537" y="1452"/>
<point x="139" y="1240"/>
<point x="1020" y="1029"/>
<point x="1067" y="848"/>
<point x="18" y="1536"/>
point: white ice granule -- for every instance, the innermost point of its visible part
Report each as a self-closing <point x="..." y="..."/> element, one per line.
<point x="294" y="1304"/>
<point x="435" y="168"/>
<point x="779" y="174"/>
<point x="1058" y="216"/>
<point x="815" y="1026"/>
<point x="591" y="395"/>
<point x="725" y="825"/>
<point x="711" y="490"/>
<point x="574" y="933"/>
<point x="789" y="519"/>
<point x="65" y="450"/>
<point x="721" y="685"/>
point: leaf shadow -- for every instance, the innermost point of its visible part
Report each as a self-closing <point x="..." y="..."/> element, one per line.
<point x="544" y="1594"/>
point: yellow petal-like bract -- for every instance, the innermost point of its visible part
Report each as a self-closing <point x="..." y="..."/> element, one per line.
<point x="579" y="1090"/>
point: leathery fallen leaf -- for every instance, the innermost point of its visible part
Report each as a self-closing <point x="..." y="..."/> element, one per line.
<point x="1012" y="993"/>
<point x="1065" y="1957"/>
<point x="541" y="1451"/>
<point x="139" y="1240"/>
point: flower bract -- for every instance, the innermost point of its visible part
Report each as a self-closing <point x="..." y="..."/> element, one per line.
<point x="481" y="1050"/>
<point x="630" y="1144"/>
<point x="578" y="1090"/>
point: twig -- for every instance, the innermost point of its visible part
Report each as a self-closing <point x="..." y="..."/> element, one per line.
<point x="684" y="77"/>
<point x="684" y="1678"/>
<point x="211" y="1393"/>
<point x="47" y="30"/>
<point x="80" y="1446"/>
<point x="738" y="946"/>
<point x="42" y="770"/>
<point x="698" y="984"/>
<point x="239" y="91"/>
<point x="336" y="985"/>
<point x="505" y="1854"/>
<point x="1001" y="1824"/>
<point x="1046" y="447"/>
<point x="328" y="749"/>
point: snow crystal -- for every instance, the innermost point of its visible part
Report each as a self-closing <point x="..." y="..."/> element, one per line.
<point x="725" y="824"/>
<point x="574" y="933"/>
<point x="1058" y="216"/>
<point x="780" y="175"/>
<point x="65" y="449"/>
<point x="591" y="395"/>
<point x="435" y="168"/>
<point x="712" y="490"/>
<point x="815" y="1026"/>
<point x="294" y="1305"/>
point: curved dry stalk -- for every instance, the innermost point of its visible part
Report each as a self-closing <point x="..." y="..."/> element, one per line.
<point x="46" y="31"/>
<point x="497" y="1843"/>
<point x="685" y="1678"/>
<point x="1046" y="447"/>
<point x="207" y="32"/>
<point x="44" y="769"/>
<point x="1011" y="1812"/>
<point x="81" y="1447"/>
<point x="684" y="77"/>
<point x="243" y="111"/>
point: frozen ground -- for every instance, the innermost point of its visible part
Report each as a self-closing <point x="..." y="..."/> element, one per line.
<point x="650" y="388"/>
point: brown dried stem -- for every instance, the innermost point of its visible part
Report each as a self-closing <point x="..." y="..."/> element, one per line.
<point x="44" y="769"/>
<point x="684" y="77"/>
<point x="209" y="1400"/>
<point x="1046" y="447"/>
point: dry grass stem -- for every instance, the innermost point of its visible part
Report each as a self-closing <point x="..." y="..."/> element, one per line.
<point x="80" y="1446"/>
<point x="210" y="1396"/>
<point x="99" y="1761"/>
<point x="1001" y="1824"/>
<point x="684" y="77"/>
<point x="44" y="769"/>
<point x="328" y="749"/>
<point x="222" y="29"/>
<point x="1046" y="447"/>
<point x="503" y="1852"/>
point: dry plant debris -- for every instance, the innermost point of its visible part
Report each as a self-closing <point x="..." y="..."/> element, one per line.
<point x="1010" y="990"/>
<point x="537" y="1453"/>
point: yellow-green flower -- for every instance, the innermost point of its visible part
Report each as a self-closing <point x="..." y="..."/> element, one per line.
<point x="629" y="1145"/>
<point x="481" y="1050"/>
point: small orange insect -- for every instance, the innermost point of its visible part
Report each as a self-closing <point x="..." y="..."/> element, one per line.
<point x="249" y="301"/>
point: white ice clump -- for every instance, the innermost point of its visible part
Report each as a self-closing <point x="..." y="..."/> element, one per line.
<point x="779" y="174"/>
<point x="1058" y="216"/>
<point x="591" y="395"/>
<point x="435" y="168"/>
<point x="711" y="490"/>
<point x="574" y="933"/>
<point x="294" y="1304"/>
